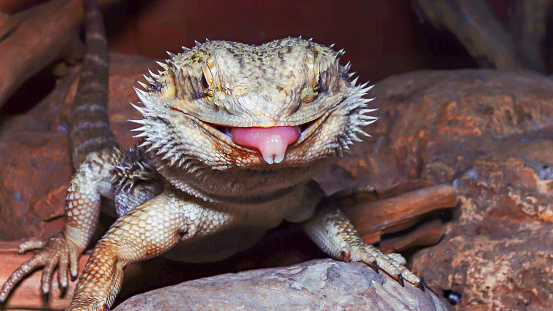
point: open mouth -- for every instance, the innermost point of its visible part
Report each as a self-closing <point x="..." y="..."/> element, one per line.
<point x="271" y="142"/>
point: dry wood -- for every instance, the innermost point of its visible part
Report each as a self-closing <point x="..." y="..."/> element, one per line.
<point x="25" y="48"/>
<point x="428" y="233"/>
<point x="34" y="38"/>
<point x="373" y="219"/>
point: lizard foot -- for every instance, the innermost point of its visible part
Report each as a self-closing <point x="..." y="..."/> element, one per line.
<point x="393" y="263"/>
<point x="55" y="252"/>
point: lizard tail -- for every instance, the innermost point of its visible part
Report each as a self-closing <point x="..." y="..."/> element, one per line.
<point x="89" y="128"/>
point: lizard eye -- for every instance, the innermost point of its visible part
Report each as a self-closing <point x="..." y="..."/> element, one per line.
<point x="322" y="84"/>
<point x="206" y="82"/>
<point x="203" y="82"/>
<point x="309" y="93"/>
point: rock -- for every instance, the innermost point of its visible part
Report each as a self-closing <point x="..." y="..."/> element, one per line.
<point x="498" y="253"/>
<point x="488" y="133"/>
<point x="313" y="285"/>
<point x="434" y="124"/>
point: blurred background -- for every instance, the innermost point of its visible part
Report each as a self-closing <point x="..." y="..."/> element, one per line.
<point x="380" y="37"/>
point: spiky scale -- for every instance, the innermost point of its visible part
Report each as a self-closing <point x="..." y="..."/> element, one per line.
<point x="138" y="121"/>
<point x="153" y="75"/>
<point x="148" y="79"/>
<point x="347" y="66"/>
<point x="144" y="97"/>
<point x="140" y="109"/>
<point x="163" y="65"/>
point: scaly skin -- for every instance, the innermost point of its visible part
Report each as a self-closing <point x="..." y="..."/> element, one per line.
<point x="190" y="183"/>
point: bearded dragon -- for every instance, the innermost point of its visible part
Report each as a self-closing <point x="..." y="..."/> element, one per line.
<point x="232" y="135"/>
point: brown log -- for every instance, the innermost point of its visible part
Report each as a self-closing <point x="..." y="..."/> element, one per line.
<point x="28" y="295"/>
<point x="14" y="6"/>
<point x="34" y="38"/>
<point x="376" y="218"/>
<point x="428" y="233"/>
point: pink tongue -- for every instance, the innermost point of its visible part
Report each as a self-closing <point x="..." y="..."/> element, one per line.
<point x="271" y="141"/>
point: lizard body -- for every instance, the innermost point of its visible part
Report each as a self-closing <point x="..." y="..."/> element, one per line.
<point x="232" y="135"/>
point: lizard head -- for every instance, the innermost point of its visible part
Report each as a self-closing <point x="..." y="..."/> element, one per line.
<point x="286" y="103"/>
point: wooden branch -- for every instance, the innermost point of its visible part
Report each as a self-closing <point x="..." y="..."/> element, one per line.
<point x="479" y="30"/>
<point x="13" y="6"/>
<point x="376" y="218"/>
<point x="428" y="233"/>
<point x="34" y="38"/>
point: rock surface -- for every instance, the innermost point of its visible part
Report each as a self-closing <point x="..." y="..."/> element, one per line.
<point x="490" y="134"/>
<point x="434" y="124"/>
<point x="498" y="254"/>
<point x="314" y="285"/>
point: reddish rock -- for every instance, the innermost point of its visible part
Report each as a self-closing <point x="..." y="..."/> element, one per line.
<point x="433" y="124"/>
<point x="488" y="133"/>
<point x="498" y="253"/>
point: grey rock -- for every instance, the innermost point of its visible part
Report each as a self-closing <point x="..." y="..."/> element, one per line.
<point x="313" y="285"/>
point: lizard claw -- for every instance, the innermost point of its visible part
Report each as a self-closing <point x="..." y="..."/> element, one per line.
<point x="374" y="265"/>
<point x="421" y="286"/>
<point x="55" y="251"/>
<point x="392" y="264"/>
<point x="400" y="279"/>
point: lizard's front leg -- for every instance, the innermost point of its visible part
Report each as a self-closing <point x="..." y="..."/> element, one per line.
<point x="147" y="231"/>
<point x="334" y="233"/>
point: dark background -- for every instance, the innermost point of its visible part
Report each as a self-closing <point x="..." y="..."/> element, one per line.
<point x="381" y="37"/>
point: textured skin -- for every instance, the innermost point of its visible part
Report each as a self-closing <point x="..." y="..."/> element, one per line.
<point x="189" y="186"/>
